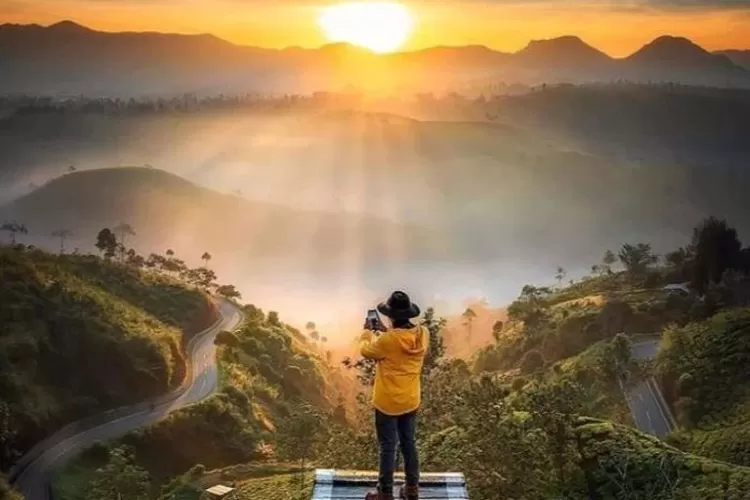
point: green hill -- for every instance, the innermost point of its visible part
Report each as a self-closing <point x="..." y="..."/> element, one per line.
<point x="80" y="335"/>
<point x="167" y="211"/>
<point x="622" y="463"/>
<point x="705" y="366"/>
<point x="268" y="371"/>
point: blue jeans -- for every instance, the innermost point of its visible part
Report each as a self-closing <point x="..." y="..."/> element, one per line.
<point x="403" y="429"/>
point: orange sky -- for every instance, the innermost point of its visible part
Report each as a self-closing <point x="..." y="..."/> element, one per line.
<point x="501" y="24"/>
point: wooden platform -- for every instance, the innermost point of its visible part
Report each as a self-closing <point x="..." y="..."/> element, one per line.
<point x="354" y="485"/>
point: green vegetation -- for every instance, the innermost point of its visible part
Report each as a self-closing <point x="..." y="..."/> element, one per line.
<point x="113" y="330"/>
<point x="705" y="366"/>
<point x="275" y="394"/>
<point x="624" y="464"/>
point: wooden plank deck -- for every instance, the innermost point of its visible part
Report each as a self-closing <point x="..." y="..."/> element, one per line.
<point x="354" y="485"/>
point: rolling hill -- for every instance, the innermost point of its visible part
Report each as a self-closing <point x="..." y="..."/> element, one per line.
<point x="71" y="59"/>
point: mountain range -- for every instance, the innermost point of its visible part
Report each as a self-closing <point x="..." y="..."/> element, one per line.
<point x="67" y="58"/>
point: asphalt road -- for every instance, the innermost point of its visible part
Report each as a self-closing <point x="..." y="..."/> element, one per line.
<point x="55" y="451"/>
<point x="650" y="411"/>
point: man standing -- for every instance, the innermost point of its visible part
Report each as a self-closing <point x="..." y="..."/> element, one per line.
<point x="399" y="353"/>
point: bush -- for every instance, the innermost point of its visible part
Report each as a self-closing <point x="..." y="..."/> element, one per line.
<point x="532" y="361"/>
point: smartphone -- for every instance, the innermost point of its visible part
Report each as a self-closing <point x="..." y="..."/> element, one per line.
<point x="373" y="320"/>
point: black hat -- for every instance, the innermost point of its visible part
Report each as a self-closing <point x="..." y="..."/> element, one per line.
<point x="399" y="306"/>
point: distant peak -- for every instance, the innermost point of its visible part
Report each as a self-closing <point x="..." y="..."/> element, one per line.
<point x="565" y="40"/>
<point x="674" y="42"/>
<point x="68" y="26"/>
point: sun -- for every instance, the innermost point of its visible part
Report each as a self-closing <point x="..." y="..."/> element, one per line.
<point x="378" y="26"/>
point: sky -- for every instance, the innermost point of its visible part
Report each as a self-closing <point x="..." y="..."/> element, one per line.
<point x="618" y="27"/>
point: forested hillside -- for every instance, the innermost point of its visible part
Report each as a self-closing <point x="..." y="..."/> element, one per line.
<point x="81" y="334"/>
<point x="538" y="414"/>
<point x="272" y="377"/>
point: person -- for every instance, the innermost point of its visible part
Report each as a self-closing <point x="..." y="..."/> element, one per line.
<point x="399" y="354"/>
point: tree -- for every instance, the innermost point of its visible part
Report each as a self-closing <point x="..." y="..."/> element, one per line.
<point x="532" y="361"/>
<point x="314" y="335"/>
<point x="205" y="258"/>
<point x="468" y="316"/>
<point x="62" y="234"/>
<point x="560" y="275"/>
<point x="119" y="479"/>
<point x="717" y="248"/>
<point x="170" y="253"/>
<point x="436" y="349"/>
<point x="14" y="228"/>
<point x="497" y="330"/>
<point x="106" y="242"/>
<point x="299" y="434"/>
<point x="124" y="229"/>
<point x="273" y="318"/>
<point x="310" y="326"/>
<point x="677" y="258"/>
<point x="608" y="261"/>
<point x="229" y="291"/>
<point x="324" y="339"/>
<point x="637" y="258"/>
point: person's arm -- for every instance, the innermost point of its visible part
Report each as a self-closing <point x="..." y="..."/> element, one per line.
<point x="371" y="347"/>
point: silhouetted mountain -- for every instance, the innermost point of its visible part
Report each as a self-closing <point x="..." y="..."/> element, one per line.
<point x="738" y="57"/>
<point x="565" y="51"/>
<point x="69" y="58"/>
<point x="678" y="59"/>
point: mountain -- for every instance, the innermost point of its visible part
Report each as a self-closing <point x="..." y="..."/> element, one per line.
<point x="679" y="59"/>
<point x="739" y="57"/>
<point x="565" y="51"/>
<point x="67" y="58"/>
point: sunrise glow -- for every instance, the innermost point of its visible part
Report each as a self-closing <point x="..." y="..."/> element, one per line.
<point x="378" y="26"/>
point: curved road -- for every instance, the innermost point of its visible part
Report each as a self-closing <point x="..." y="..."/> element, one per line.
<point x="650" y="411"/>
<point x="55" y="451"/>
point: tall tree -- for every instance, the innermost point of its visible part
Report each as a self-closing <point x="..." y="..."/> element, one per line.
<point x="124" y="229"/>
<point x="497" y="330"/>
<point x="205" y="258"/>
<point x="560" y="275"/>
<point x="106" y="242"/>
<point x="637" y="258"/>
<point x="717" y="248"/>
<point x="608" y="261"/>
<point x="436" y="349"/>
<point x="468" y="316"/>
<point x="63" y="234"/>
<point x="119" y="479"/>
<point x="299" y="435"/>
<point x="229" y="291"/>
<point x="14" y="228"/>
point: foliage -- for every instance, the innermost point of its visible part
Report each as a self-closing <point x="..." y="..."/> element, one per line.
<point x="706" y="365"/>
<point x="119" y="478"/>
<point x="106" y="242"/>
<point x="229" y="291"/>
<point x="114" y="331"/>
<point x="436" y="350"/>
<point x="532" y="361"/>
<point x="623" y="464"/>
<point x="637" y="258"/>
<point x="716" y="249"/>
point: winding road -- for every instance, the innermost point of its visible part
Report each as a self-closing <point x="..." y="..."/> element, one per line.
<point x="645" y="400"/>
<point x="54" y="452"/>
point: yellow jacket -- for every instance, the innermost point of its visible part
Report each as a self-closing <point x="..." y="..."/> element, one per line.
<point x="400" y="355"/>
